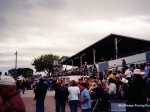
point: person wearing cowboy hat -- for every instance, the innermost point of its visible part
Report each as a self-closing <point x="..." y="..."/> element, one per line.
<point x="138" y="92"/>
<point x="10" y="100"/>
<point x="124" y="88"/>
<point x="111" y="89"/>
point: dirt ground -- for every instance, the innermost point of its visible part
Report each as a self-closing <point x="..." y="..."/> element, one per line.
<point x="28" y="99"/>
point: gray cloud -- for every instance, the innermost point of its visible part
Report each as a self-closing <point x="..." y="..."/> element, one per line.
<point x="147" y="20"/>
<point x="64" y="27"/>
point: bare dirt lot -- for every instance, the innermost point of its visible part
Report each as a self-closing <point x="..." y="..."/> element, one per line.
<point x="28" y="99"/>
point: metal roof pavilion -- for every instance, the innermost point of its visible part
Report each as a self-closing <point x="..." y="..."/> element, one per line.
<point x="110" y="47"/>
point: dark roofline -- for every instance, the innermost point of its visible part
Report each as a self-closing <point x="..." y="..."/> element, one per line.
<point x="108" y="36"/>
<point x="130" y="37"/>
<point x="88" y="47"/>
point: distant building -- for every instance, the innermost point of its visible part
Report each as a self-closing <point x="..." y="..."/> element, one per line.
<point x="63" y="58"/>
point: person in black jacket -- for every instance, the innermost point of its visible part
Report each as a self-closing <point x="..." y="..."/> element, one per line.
<point x="40" y="93"/>
<point x="61" y="95"/>
<point x="138" y="93"/>
<point x="123" y="62"/>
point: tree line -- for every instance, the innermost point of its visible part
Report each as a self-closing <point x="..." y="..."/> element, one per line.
<point x="44" y="63"/>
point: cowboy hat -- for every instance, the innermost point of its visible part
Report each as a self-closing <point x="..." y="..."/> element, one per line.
<point x="124" y="80"/>
<point x="138" y="72"/>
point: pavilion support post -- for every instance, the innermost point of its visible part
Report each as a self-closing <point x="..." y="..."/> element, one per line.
<point x="80" y="60"/>
<point x="94" y="51"/>
<point x="72" y="63"/>
<point x="66" y="66"/>
<point x="116" y="47"/>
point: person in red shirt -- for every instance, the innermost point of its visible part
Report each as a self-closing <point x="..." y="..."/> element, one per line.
<point x="10" y="99"/>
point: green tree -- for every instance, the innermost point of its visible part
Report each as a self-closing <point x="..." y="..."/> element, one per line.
<point x="25" y="72"/>
<point x="44" y="63"/>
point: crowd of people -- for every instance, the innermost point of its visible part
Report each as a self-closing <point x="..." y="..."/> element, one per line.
<point x="130" y="84"/>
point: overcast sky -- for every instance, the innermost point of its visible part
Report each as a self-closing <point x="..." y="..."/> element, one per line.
<point x="65" y="27"/>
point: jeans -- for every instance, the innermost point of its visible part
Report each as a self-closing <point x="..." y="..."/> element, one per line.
<point x="85" y="110"/>
<point x="112" y="97"/>
<point x="73" y="105"/>
<point x="50" y="87"/>
<point x="39" y="105"/>
<point x="23" y="90"/>
<point x="60" y="106"/>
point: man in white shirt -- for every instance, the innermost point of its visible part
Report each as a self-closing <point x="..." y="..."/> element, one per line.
<point x="127" y="73"/>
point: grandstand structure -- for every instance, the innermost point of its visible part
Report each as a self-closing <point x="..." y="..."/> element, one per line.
<point x="112" y="49"/>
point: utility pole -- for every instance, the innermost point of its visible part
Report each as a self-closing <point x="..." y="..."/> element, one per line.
<point x="16" y="63"/>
